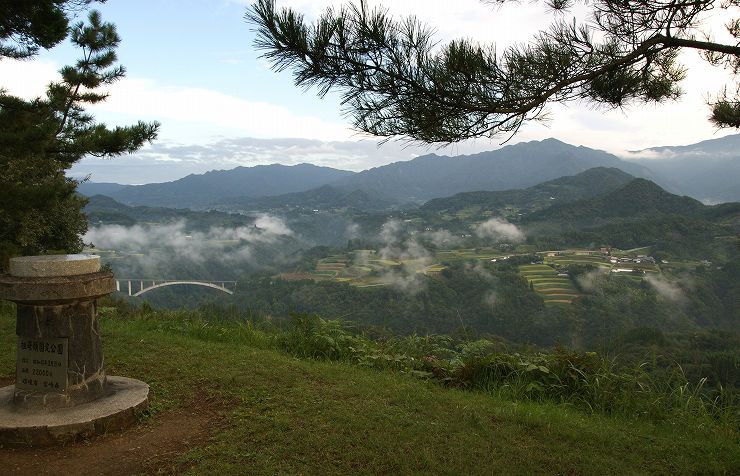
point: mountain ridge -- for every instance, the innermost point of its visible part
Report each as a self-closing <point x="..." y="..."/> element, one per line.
<point x="512" y="167"/>
<point x="200" y="190"/>
<point x="712" y="179"/>
<point x="708" y="170"/>
<point x="589" y="183"/>
<point x="637" y="199"/>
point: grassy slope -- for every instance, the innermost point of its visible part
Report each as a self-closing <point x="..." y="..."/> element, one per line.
<point x="300" y="416"/>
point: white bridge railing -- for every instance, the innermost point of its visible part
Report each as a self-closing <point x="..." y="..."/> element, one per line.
<point x="137" y="287"/>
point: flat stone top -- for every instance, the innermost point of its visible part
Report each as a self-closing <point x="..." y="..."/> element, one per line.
<point x="54" y="265"/>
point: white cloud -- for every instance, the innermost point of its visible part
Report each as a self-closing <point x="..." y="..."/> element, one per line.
<point x="667" y="290"/>
<point x="413" y="258"/>
<point x="208" y="110"/>
<point x="499" y="229"/>
<point x="27" y="79"/>
<point x="592" y="281"/>
<point x="505" y="24"/>
<point x="146" y="98"/>
<point x="352" y="231"/>
<point x="490" y="298"/>
<point x="156" y="247"/>
<point x="167" y="160"/>
<point x="442" y="238"/>
<point x="270" y="226"/>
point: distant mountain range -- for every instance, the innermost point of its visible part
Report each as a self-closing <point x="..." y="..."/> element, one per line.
<point x="598" y="206"/>
<point x="708" y="171"/>
<point x="200" y="191"/>
<point x="639" y="214"/>
<point x="589" y="199"/>
<point x="512" y="167"/>
<point x="99" y="188"/>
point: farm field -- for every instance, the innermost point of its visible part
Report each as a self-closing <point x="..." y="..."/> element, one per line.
<point x="366" y="268"/>
<point x="467" y="254"/>
<point x="546" y="282"/>
<point x="573" y="258"/>
<point x="361" y="268"/>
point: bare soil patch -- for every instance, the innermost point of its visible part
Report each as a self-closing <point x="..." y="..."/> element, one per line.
<point x="150" y="447"/>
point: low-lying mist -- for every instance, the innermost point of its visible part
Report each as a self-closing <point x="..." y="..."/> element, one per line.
<point x="174" y="250"/>
<point x="398" y="244"/>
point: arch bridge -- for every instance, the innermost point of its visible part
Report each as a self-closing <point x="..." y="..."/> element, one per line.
<point x="137" y="287"/>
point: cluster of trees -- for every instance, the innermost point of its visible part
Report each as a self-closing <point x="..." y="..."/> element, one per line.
<point x="462" y="301"/>
<point x="41" y="138"/>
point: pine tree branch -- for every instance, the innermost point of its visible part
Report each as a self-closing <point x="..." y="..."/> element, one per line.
<point x="393" y="84"/>
<point x="699" y="45"/>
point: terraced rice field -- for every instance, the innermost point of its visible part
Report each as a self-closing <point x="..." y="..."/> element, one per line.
<point x="564" y="260"/>
<point x="366" y="268"/>
<point x="546" y="282"/>
<point x="468" y="254"/>
<point x="331" y="270"/>
<point x="363" y="268"/>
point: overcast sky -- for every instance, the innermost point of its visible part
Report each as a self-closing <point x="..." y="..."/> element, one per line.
<point x="191" y="66"/>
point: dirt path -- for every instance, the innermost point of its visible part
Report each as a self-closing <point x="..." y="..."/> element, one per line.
<point x="150" y="447"/>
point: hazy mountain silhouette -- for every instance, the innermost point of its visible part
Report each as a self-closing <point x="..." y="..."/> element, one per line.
<point x="708" y="171"/>
<point x="99" y="188"/>
<point x="512" y="167"/>
<point x="204" y="189"/>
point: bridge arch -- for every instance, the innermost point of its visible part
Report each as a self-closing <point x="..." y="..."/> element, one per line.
<point x="174" y="283"/>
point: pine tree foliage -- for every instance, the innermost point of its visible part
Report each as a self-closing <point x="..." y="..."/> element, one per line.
<point x="42" y="138"/>
<point x="397" y="81"/>
<point x="26" y="26"/>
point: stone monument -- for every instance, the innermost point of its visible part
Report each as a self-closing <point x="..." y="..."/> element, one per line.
<point x="61" y="391"/>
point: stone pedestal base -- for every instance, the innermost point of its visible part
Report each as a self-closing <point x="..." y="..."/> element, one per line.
<point x="61" y="391"/>
<point x="126" y="400"/>
<point x="59" y="356"/>
<point x="73" y="326"/>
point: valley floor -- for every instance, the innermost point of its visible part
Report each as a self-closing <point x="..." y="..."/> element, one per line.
<point x="247" y="409"/>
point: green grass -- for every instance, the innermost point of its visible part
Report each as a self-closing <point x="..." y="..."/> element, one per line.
<point x="301" y="416"/>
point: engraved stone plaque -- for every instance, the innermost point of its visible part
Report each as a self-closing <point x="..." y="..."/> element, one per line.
<point x="41" y="364"/>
